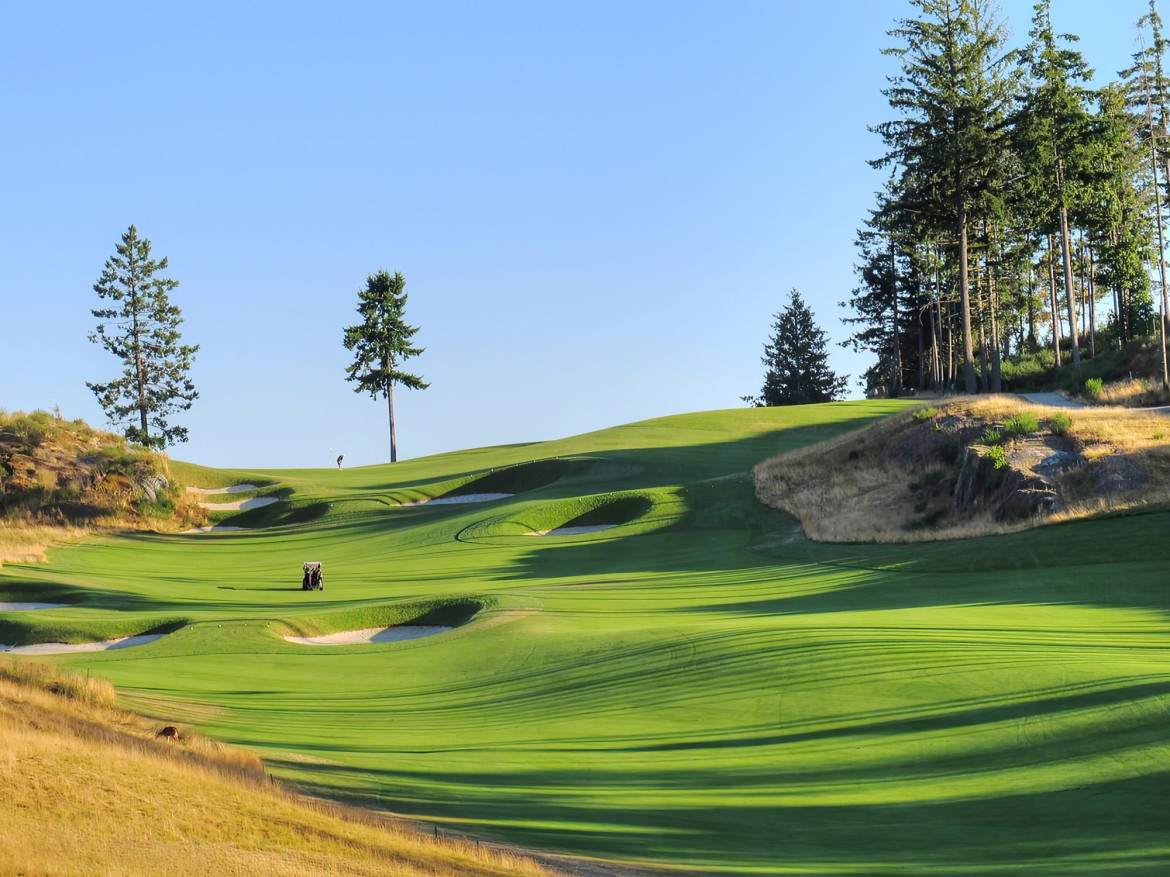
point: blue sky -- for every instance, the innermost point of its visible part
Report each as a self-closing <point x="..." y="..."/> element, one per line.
<point x="597" y="206"/>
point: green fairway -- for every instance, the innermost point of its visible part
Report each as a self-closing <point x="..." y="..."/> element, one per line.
<point x="697" y="685"/>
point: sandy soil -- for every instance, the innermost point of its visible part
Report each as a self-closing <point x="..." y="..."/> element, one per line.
<point x="124" y="642"/>
<point x="572" y="531"/>
<point x="28" y="607"/>
<point x="214" y="530"/>
<point x="368" y="635"/>
<point x="256" y="502"/>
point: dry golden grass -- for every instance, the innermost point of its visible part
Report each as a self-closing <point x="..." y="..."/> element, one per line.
<point x="850" y="490"/>
<point x="88" y="789"/>
<point x="1135" y="393"/>
<point x="26" y="541"/>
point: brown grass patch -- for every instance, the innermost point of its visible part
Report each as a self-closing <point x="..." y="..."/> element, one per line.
<point x="1135" y="393"/>
<point x="89" y="790"/>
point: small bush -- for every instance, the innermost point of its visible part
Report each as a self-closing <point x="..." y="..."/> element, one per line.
<point x="998" y="456"/>
<point x="992" y="436"/>
<point x="1094" y="389"/>
<point x="923" y="414"/>
<point x="1020" y="425"/>
<point x="1059" y="423"/>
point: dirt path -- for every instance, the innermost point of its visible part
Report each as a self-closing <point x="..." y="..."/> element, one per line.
<point x="1052" y="400"/>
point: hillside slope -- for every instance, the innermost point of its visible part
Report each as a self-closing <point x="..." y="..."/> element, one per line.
<point x="695" y="686"/>
<point x="60" y="479"/>
<point x="92" y="790"/>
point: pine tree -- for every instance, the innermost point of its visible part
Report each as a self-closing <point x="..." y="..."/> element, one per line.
<point x="143" y="332"/>
<point x="381" y="342"/>
<point x="798" y="364"/>
<point x="1053" y="138"/>
<point x="950" y="138"/>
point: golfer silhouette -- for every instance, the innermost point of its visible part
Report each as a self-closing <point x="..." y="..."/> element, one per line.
<point x="340" y="457"/>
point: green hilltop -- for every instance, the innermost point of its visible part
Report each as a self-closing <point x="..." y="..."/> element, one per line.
<point x="696" y="686"/>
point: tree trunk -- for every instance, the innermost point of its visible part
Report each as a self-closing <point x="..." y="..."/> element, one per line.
<point x="1052" y="300"/>
<point x="1066" y="258"/>
<point x="1091" y="297"/>
<point x="965" y="302"/>
<point x="996" y="370"/>
<point x="393" y="437"/>
<point x="139" y="370"/>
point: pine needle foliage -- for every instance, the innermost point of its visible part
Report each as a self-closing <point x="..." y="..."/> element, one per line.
<point x="798" y="363"/>
<point x="381" y="342"/>
<point x="141" y="328"/>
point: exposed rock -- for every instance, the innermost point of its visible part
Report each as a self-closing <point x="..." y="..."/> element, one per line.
<point x="153" y="486"/>
<point x="1025" y="485"/>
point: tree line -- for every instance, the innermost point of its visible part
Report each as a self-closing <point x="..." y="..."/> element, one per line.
<point x="1019" y="201"/>
<point x="140" y="326"/>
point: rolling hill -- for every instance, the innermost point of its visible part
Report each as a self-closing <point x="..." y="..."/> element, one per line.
<point x="671" y="675"/>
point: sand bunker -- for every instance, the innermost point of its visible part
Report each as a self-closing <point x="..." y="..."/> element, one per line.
<point x="572" y="531"/>
<point x="455" y="500"/>
<point x="395" y="634"/>
<point x="29" y="607"/>
<point x="256" y="502"/>
<point x="124" y="642"/>
<point x="235" y="488"/>
<point x="214" y="529"/>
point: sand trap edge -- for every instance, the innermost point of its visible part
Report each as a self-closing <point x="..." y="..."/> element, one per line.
<point x="122" y="642"/>
<point x="371" y="635"/>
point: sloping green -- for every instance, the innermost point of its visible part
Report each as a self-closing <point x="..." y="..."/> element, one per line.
<point x="699" y="686"/>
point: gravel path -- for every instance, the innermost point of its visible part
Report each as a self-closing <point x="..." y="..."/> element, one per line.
<point x="1052" y="400"/>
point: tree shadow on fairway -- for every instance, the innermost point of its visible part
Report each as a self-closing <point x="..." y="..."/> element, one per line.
<point x="1111" y="827"/>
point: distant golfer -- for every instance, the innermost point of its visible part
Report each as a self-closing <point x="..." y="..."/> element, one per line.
<point x="340" y="457"/>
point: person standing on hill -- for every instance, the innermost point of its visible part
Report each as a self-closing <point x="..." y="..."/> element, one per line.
<point x="340" y="457"/>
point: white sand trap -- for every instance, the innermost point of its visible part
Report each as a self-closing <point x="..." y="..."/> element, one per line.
<point x="256" y="502"/>
<point x="395" y="634"/>
<point x="124" y="642"/>
<point x="215" y="529"/>
<point x="457" y="500"/>
<point x="29" y="607"/>
<point x="235" y="488"/>
<point x="572" y="531"/>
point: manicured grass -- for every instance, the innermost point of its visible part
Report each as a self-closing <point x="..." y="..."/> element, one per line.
<point x="699" y="686"/>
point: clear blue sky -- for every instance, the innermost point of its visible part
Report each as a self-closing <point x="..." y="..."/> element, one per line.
<point x="597" y="206"/>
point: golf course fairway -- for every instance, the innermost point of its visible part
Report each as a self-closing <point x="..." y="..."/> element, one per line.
<point x="695" y="686"/>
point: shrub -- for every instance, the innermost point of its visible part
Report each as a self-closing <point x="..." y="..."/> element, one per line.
<point x="1094" y="388"/>
<point x="1020" y="425"/>
<point x="998" y="456"/>
<point x="992" y="436"/>
<point x="926" y="413"/>
<point x="1059" y="423"/>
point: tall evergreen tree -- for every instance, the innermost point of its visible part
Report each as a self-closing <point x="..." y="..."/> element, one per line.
<point x="381" y="343"/>
<point x="1149" y="92"/>
<point x="953" y="96"/>
<point x="1052" y="134"/>
<point x="142" y="330"/>
<point x="798" y="364"/>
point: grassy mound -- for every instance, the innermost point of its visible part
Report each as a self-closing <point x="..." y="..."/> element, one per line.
<point x="61" y="479"/>
<point x="604" y="510"/>
<point x="445" y="612"/>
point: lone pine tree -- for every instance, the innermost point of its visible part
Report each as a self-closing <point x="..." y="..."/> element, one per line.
<point x="798" y="364"/>
<point x="381" y="342"/>
<point x="142" y="330"/>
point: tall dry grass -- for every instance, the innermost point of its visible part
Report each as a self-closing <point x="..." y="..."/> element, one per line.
<point x="88" y="789"/>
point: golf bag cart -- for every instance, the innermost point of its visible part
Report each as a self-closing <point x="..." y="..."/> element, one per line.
<point x="313" y="577"/>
